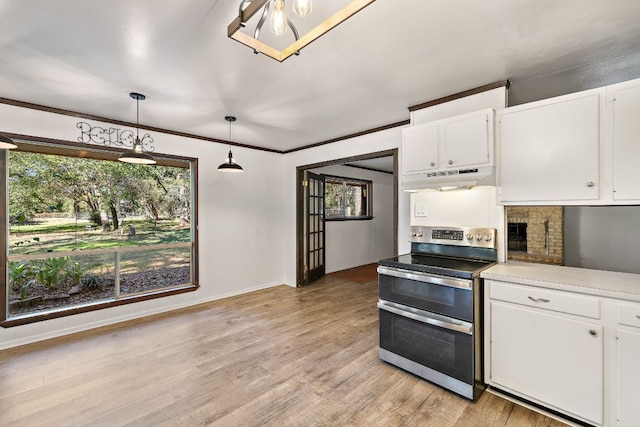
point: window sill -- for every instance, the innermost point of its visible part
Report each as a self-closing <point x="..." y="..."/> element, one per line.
<point x="350" y="218"/>
<point x="54" y="314"/>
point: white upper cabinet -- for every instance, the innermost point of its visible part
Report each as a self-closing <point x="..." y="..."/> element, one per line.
<point x="420" y="149"/>
<point x="582" y="148"/>
<point x="453" y="143"/>
<point x="624" y="101"/>
<point x="468" y="140"/>
<point x="549" y="151"/>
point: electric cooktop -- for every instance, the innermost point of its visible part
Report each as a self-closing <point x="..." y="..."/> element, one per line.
<point x="446" y="266"/>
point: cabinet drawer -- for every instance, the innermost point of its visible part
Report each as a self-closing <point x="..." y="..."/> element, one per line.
<point x="546" y="299"/>
<point x="629" y="314"/>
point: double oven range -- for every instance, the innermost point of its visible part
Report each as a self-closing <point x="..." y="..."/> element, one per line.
<point x="430" y="306"/>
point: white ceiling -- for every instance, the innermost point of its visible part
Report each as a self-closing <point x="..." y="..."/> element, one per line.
<point x="86" y="56"/>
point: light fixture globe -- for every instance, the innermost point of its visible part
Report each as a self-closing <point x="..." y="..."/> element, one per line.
<point x="137" y="154"/>
<point x="230" y="165"/>
<point x="302" y="8"/>
<point x="6" y="143"/>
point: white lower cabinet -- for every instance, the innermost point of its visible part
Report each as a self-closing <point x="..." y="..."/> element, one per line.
<point x="548" y="357"/>
<point x="566" y="339"/>
<point x="628" y="365"/>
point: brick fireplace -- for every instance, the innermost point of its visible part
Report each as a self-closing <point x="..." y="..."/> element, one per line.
<point x="535" y="234"/>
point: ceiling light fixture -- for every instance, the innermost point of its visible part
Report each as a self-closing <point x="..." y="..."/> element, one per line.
<point x="6" y="143"/>
<point x="230" y="165"/>
<point x="137" y="154"/>
<point x="279" y="22"/>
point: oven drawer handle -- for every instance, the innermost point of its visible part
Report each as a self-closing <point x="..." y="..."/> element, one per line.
<point x="425" y="277"/>
<point x="428" y="318"/>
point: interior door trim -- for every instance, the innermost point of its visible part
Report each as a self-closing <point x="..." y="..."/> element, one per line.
<point x="300" y="170"/>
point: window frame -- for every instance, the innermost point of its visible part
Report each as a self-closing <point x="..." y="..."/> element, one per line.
<point x="346" y="181"/>
<point x="72" y="149"/>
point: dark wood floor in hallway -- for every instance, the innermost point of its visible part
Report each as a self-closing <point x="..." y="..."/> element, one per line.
<point x="275" y="357"/>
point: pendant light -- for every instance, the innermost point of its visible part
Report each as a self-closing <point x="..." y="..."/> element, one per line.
<point x="6" y="143"/>
<point x="230" y="165"/>
<point x="137" y="154"/>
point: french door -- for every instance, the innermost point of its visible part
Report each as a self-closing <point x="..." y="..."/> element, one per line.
<point x="314" y="228"/>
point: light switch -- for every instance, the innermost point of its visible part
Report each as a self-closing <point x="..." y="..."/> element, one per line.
<point x="420" y="210"/>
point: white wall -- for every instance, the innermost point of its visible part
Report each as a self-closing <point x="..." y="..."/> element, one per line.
<point x="460" y="208"/>
<point x="241" y="224"/>
<point x="379" y="141"/>
<point x="354" y="243"/>
<point x="247" y="222"/>
<point x="494" y="98"/>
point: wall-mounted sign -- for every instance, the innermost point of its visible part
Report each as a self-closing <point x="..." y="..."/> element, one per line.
<point x="111" y="137"/>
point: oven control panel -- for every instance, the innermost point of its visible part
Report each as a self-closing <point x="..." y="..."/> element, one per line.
<point x="458" y="236"/>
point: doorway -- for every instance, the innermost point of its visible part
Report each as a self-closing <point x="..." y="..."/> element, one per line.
<point x="303" y="276"/>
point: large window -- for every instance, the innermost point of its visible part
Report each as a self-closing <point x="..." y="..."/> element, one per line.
<point x="347" y="198"/>
<point x="87" y="233"/>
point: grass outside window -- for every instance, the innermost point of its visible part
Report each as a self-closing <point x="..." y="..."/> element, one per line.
<point x="84" y="234"/>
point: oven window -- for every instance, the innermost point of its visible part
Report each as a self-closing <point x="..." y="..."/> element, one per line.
<point x="428" y="294"/>
<point x="445" y="300"/>
<point x="443" y="350"/>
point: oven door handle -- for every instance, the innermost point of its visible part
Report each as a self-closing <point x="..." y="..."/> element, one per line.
<point x="424" y="277"/>
<point x="427" y="317"/>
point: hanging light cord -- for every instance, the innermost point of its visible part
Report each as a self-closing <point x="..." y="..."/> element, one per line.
<point x="137" y="119"/>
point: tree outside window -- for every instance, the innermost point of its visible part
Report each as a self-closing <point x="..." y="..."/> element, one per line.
<point x="347" y="198"/>
<point x="88" y="233"/>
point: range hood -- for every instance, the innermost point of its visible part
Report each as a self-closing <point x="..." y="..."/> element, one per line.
<point x="467" y="177"/>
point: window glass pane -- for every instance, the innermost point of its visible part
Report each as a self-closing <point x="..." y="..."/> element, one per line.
<point x="333" y="199"/>
<point x="53" y="283"/>
<point x="346" y="198"/>
<point x="149" y="270"/>
<point x="70" y="216"/>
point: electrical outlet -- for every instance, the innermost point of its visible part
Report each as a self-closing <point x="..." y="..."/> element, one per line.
<point x="420" y="210"/>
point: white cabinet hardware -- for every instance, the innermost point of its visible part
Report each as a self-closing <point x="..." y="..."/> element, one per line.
<point x="539" y="299"/>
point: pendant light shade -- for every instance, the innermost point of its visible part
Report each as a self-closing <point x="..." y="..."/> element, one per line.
<point x="230" y="165"/>
<point x="6" y="143"/>
<point x="137" y="154"/>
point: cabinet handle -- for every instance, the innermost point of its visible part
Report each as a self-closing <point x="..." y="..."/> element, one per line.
<point x="593" y="332"/>
<point x="433" y="163"/>
<point x="538" y="299"/>
<point x="590" y="184"/>
<point x="450" y="162"/>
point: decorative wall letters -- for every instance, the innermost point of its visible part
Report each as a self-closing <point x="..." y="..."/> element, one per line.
<point x="111" y="137"/>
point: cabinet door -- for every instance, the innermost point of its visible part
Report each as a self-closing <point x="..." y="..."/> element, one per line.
<point x="550" y="151"/>
<point x="419" y="149"/>
<point x="628" y="378"/>
<point x="626" y="143"/>
<point x="467" y="142"/>
<point x="551" y="359"/>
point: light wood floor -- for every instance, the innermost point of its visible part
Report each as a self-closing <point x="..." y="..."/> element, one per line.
<point x="276" y="357"/>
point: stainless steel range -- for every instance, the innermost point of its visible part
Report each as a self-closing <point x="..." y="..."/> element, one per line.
<point x="430" y="306"/>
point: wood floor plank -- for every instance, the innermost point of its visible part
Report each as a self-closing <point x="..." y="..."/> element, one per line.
<point x="275" y="357"/>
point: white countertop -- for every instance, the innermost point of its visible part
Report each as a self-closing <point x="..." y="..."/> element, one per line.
<point x="593" y="282"/>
